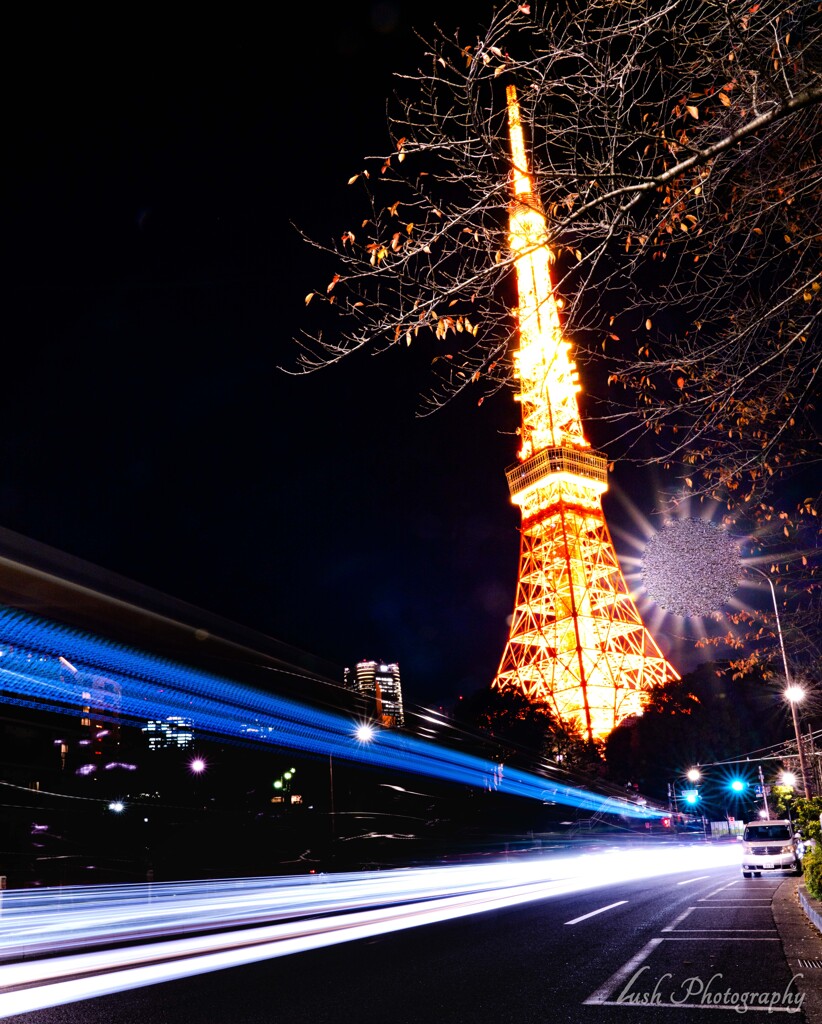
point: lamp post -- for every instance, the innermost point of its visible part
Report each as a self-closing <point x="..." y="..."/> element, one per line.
<point x="364" y="733"/>
<point x="694" y="776"/>
<point x="332" y="816"/>
<point x="793" y="694"/>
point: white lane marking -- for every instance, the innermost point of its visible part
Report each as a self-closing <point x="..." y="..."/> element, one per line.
<point x="722" y="888"/>
<point x="689" y="880"/>
<point x="594" y="913"/>
<point x="626" y="971"/>
<point x="728" y="931"/>
<point x="734" y="901"/>
<point x="670" y="927"/>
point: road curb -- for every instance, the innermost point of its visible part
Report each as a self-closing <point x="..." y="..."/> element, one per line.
<point x="801" y="942"/>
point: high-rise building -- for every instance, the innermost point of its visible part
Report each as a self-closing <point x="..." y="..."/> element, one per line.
<point x="169" y="732"/>
<point x="379" y="683"/>
<point x="577" y="641"/>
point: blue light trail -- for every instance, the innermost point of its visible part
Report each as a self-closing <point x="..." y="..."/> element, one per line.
<point x="52" y="667"/>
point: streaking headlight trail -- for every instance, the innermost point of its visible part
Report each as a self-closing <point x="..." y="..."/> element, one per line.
<point x="43" y="665"/>
<point x="223" y="918"/>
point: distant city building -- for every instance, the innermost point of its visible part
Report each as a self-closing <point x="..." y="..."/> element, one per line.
<point x="170" y="732"/>
<point x="379" y="683"/>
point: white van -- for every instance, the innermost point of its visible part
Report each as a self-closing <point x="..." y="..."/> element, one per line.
<point x="769" y="845"/>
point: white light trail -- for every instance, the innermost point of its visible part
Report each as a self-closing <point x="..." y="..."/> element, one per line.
<point x="300" y="913"/>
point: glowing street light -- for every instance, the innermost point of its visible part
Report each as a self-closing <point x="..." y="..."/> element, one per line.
<point x="117" y="806"/>
<point x="364" y="732"/>
<point x="789" y="779"/>
<point x="737" y="785"/>
<point x="197" y="766"/>
<point x="693" y="775"/>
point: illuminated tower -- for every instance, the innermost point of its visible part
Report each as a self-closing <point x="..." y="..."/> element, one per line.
<point x="577" y="641"/>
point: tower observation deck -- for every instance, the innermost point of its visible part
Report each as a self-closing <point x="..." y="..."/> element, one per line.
<point x="576" y="641"/>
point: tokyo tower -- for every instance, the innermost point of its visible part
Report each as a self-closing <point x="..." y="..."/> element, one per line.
<point x="577" y="641"/>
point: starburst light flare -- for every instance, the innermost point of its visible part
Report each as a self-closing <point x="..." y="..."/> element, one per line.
<point x="691" y="567"/>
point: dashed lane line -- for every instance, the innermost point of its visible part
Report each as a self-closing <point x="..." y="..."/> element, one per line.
<point x="594" y="913"/>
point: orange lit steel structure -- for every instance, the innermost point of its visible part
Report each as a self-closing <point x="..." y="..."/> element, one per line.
<point x="577" y="640"/>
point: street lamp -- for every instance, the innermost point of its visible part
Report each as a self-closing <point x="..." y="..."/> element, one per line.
<point x="364" y="733"/>
<point x="793" y="694"/>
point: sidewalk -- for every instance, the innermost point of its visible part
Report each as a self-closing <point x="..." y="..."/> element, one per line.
<point x="802" y="943"/>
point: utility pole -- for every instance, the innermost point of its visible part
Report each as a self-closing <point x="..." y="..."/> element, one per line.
<point x="792" y="693"/>
<point x="764" y="793"/>
<point x="814" y="773"/>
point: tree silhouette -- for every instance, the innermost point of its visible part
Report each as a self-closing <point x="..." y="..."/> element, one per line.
<point x="707" y="716"/>
<point x="676" y="152"/>
<point x="512" y="728"/>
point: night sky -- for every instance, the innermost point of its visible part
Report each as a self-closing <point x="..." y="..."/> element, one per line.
<point x="152" y="283"/>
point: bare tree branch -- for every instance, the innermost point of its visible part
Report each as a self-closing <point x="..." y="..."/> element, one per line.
<point x="677" y="155"/>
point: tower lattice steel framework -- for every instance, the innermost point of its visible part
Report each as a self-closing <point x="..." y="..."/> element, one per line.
<point x="577" y="640"/>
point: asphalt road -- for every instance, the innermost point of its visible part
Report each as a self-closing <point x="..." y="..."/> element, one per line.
<point x="678" y="947"/>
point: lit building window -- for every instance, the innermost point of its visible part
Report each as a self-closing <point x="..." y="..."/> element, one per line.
<point x="379" y="683"/>
<point x="169" y="732"/>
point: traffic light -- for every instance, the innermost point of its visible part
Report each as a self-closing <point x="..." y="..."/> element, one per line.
<point x="737" y="785"/>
